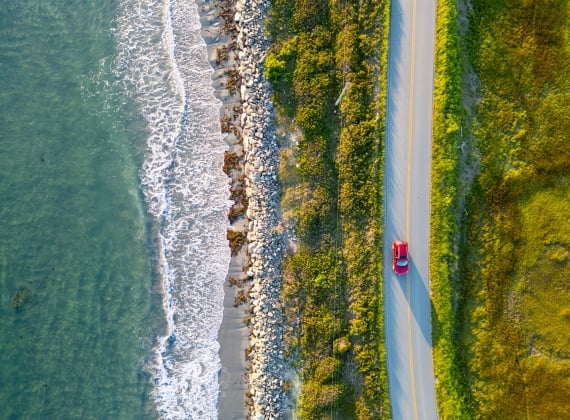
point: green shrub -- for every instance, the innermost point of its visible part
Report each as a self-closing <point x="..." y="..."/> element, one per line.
<point x="336" y="274"/>
<point x="274" y="68"/>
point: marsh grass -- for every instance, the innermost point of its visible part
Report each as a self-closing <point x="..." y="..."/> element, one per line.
<point x="543" y="271"/>
<point x="515" y="270"/>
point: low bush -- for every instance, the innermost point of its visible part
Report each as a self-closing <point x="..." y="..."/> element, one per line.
<point x="333" y="282"/>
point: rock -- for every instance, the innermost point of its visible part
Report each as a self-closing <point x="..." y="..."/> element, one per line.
<point x="265" y="247"/>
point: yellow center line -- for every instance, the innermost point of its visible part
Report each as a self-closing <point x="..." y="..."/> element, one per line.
<point x="408" y="199"/>
<point x="410" y="121"/>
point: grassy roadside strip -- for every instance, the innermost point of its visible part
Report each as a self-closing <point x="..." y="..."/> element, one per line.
<point x="447" y="114"/>
<point x="360" y="164"/>
<point x="332" y="187"/>
<point x="379" y="231"/>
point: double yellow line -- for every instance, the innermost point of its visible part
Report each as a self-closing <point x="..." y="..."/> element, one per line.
<point x="408" y="199"/>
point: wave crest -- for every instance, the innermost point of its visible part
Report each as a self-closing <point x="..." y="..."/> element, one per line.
<point x="162" y="61"/>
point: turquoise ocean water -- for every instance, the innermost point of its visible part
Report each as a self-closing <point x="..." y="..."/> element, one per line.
<point x="112" y="212"/>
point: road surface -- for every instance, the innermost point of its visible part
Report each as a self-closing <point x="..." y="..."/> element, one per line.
<point x="407" y="208"/>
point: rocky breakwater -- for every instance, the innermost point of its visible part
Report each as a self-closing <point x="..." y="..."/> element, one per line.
<point x="264" y="233"/>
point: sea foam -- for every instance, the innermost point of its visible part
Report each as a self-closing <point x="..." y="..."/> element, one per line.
<point x="162" y="60"/>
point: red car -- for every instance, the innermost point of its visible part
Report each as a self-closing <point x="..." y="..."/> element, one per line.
<point x="400" y="257"/>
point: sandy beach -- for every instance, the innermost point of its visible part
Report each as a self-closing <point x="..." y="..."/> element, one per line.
<point x="233" y="335"/>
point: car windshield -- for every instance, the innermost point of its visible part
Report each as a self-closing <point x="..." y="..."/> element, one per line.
<point x="402" y="262"/>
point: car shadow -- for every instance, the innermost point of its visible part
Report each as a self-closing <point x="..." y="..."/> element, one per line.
<point x="419" y="299"/>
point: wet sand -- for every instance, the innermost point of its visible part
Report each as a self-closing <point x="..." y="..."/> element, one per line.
<point x="233" y="335"/>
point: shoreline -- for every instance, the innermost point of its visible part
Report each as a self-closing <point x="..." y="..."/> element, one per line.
<point x="253" y="369"/>
<point x="233" y="335"/>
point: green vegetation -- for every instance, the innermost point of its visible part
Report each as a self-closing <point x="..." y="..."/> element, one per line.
<point x="333" y="186"/>
<point x="515" y="266"/>
<point x="447" y="115"/>
<point x="544" y="269"/>
<point x="507" y="357"/>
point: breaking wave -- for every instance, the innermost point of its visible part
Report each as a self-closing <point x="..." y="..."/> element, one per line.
<point x="162" y="61"/>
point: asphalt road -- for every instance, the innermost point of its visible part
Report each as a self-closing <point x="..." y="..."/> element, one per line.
<point x="407" y="208"/>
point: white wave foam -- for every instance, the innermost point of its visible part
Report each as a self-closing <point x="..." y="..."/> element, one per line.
<point x="163" y="61"/>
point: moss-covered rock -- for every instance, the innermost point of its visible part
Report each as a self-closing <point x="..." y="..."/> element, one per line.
<point x="20" y="298"/>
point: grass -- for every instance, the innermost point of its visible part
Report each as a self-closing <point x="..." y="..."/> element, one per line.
<point x="514" y="262"/>
<point x="543" y="269"/>
<point x="501" y="323"/>
<point x="447" y="116"/>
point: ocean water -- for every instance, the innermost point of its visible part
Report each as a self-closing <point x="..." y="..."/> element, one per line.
<point x="112" y="212"/>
